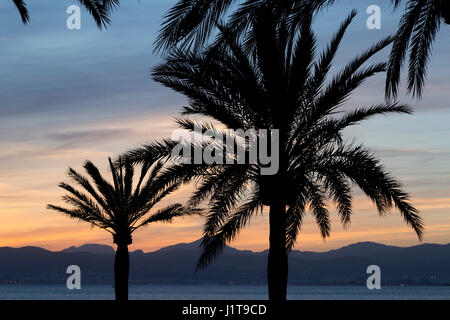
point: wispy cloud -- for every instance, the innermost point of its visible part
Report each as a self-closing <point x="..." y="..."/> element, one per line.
<point x="84" y="137"/>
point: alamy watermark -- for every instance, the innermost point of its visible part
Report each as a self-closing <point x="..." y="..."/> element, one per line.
<point x="73" y="22"/>
<point x="374" y="20"/>
<point x="374" y="281"/>
<point x="256" y="147"/>
<point x="74" y="280"/>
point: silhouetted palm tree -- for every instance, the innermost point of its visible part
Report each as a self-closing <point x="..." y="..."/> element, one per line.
<point x="99" y="9"/>
<point x="417" y="31"/>
<point x="278" y="84"/>
<point x="119" y="209"/>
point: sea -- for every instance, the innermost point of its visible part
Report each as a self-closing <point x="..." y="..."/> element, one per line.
<point x="221" y="292"/>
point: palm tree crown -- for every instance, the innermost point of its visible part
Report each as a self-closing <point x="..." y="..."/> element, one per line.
<point x="191" y="22"/>
<point x="279" y="83"/>
<point x="117" y="208"/>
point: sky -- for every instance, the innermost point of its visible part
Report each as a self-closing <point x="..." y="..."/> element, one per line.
<point x="71" y="95"/>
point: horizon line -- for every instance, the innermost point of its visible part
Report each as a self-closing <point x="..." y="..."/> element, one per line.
<point x="243" y="250"/>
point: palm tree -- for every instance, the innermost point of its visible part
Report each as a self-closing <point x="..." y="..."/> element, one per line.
<point x="278" y="83"/>
<point x="99" y="9"/>
<point x="119" y="209"/>
<point x="417" y="30"/>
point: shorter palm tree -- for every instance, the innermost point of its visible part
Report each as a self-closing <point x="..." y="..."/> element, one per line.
<point x="99" y="10"/>
<point x="119" y="209"/>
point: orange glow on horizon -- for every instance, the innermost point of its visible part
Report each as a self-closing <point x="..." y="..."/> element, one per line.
<point x="30" y="183"/>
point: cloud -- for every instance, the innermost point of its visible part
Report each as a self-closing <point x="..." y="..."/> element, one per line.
<point x="83" y="137"/>
<point x="411" y="152"/>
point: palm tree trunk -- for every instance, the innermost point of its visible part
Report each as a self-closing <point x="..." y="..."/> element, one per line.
<point x="277" y="266"/>
<point x="121" y="272"/>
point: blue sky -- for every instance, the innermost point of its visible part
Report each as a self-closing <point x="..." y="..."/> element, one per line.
<point x="70" y="95"/>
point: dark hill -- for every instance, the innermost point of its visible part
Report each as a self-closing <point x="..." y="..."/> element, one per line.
<point x="423" y="264"/>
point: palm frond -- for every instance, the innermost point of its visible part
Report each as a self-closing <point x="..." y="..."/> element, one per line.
<point x="349" y="78"/>
<point x="103" y="186"/>
<point x="295" y="215"/>
<point x="83" y="182"/>
<point x="230" y="189"/>
<point x="338" y="187"/>
<point x="323" y="65"/>
<point x="169" y="213"/>
<point x="424" y="33"/>
<point x="317" y="201"/>
<point x="79" y="215"/>
<point x="302" y="58"/>
<point x="214" y="244"/>
<point x="23" y="11"/>
<point x="358" y="164"/>
<point x="362" y="114"/>
<point x="190" y="22"/>
<point x="400" y="46"/>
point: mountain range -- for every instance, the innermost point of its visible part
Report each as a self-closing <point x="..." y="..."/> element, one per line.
<point x="426" y="264"/>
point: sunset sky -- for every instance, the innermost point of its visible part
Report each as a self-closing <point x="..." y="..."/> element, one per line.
<point x="71" y="95"/>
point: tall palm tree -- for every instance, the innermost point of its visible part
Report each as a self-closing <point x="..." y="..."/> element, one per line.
<point x="417" y="30"/>
<point x="99" y="9"/>
<point x="119" y="209"/>
<point x="279" y="84"/>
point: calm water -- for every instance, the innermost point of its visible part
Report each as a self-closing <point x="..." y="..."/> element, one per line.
<point x="221" y="292"/>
